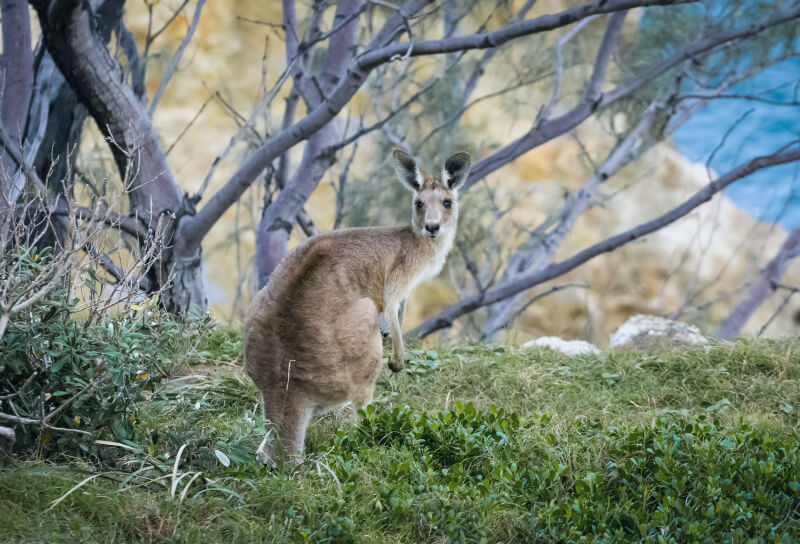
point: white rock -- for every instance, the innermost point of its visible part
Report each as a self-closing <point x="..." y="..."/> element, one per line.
<point x="648" y="330"/>
<point x="567" y="347"/>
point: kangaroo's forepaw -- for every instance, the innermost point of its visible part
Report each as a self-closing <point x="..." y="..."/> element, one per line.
<point x="396" y="364"/>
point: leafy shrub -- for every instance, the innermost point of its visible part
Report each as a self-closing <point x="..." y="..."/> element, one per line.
<point x="220" y="344"/>
<point x="68" y="383"/>
<point x="469" y="476"/>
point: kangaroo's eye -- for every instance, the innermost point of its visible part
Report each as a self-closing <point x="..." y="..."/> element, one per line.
<point x="447" y="203"/>
<point x="418" y="204"/>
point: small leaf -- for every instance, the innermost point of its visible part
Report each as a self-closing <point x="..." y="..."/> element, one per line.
<point x="224" y="459"/>
<point x="721" y="405"/>
<point x="58" y="365"/>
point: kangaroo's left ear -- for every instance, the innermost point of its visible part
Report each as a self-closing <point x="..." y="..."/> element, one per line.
<point x="456" y="170"/>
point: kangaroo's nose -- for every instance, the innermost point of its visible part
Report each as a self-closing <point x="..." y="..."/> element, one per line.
<point x="432" y="228"/>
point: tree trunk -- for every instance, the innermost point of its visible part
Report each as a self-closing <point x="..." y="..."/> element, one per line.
<point x="277" y="218"/>
<point x="16" y="80"/>
<point x="56" y="116"/>
<point x="185" y="285"/>
<point x="155" y="199"/>
<point x="271" y="247"/>
<point x="97" y="79"/>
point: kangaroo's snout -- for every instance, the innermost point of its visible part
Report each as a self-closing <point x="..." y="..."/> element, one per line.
<point x="432" y="228"/>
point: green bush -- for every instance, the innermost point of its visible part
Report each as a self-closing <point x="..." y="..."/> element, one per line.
<point x="470" y="476"/>
<point x="84" y="380"/>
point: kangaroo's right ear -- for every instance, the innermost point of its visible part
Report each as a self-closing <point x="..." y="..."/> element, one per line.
<point x="407" y="169"/>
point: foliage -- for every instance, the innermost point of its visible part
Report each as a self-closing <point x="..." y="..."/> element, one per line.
<point x="220" y="344"/>
<point x="87" y="379"/>
<point x="487" y="444"/>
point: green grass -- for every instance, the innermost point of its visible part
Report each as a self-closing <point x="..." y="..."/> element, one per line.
<point x="473" y="444"/>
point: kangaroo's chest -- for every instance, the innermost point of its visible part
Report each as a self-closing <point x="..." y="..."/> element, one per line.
<point x="432" y="266"/>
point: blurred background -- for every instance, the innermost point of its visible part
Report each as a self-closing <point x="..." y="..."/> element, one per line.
<point x="686" y="93"/>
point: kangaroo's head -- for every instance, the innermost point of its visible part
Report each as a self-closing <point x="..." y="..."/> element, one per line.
<point x="435" y="204"/>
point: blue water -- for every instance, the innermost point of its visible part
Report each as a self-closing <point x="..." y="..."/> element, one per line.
<point x="770" y="195"/>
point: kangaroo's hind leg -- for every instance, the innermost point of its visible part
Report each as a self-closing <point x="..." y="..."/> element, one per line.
<point x="286" y="419"/>
<point x="363" y="348"/>
<point x="267" y="452"/>
<point x="296" y="417"/>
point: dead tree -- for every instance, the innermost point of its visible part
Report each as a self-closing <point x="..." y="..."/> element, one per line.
<point x="659" y="120"/>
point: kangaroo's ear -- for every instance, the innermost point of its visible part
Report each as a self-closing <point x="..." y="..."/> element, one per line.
<point x="407" y="169"/>
<point x="456" y="170"/>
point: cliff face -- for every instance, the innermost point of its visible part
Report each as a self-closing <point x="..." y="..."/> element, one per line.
<point x="684" y="268"/>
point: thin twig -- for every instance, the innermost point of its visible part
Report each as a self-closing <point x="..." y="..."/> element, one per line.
<point x="176" y="58"/>
<point x="792" y="292"/>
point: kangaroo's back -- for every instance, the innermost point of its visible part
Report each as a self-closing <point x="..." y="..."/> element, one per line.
<point x="295" y="311"/>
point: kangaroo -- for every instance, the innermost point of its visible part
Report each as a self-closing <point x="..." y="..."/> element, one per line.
<point x="312" y="338"/>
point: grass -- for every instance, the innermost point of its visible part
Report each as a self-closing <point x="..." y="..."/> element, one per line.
<point x="474" y="443"/>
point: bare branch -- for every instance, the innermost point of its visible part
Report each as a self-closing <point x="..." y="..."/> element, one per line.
<point x="9" y="146"/>
<point x="189" y="125"/>
<point x="127" y="224"/>
<point x="176" y="58"/>
<point x="734" y="96"/>
<point x="21" y="389"/>
<point x="151" y="37"/>
<point x="379" y="124"/>
<point x="37" y="422"/>
<point x="196" y="227"/>
<point x="135" y="63"/>
<point x="105" y="261"/>
<point x="544" y="113"/>
<point x="457" y="115"/>
<point x="604" y="55"/>
<point x="540" y="247"/>
<point x="470" y="304"/>
<point x="548" y="130"/>
<point x="306" y="223"/>
<point x="763" y="286"/>
<point x="792" y="292"/>
<point x="480" y="69"/>
<point x="485" y="40"/>
<point x="340" y="192"/>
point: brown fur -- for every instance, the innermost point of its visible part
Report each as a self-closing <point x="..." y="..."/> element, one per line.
<point x="312" y="335"/>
